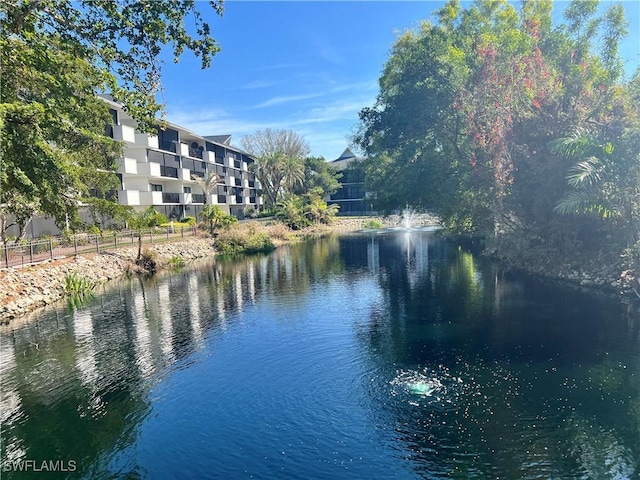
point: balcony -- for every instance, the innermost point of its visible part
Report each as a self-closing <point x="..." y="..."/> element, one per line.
<point x="129" y="197"/>
<point x="184" y="174"/>
<point x="170" y="197"/>
<point x="150" y="198"/>
<point x="170" y="172"/>
<point x="128" y="165"/>
<point x="150" y="169"/>
<point x="124" y="133"/>
<point x="208" y="156"/>
<point x="146" y="140"/>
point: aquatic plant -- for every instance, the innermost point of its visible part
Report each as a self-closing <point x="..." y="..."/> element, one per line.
<point x="77" y="286"/>
<point x="372" y="224"/>
<point x="176" y="262"/>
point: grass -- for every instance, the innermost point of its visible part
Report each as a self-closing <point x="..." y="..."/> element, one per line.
<point x="373" y="224"/>
<point x="77" y="286"/>
<point x="248" y="238"/>
<point x="176" y="262"/>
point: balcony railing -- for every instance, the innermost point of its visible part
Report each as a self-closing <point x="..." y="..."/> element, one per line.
<point x="170" y="197"/>
<point x="168" y="171"/>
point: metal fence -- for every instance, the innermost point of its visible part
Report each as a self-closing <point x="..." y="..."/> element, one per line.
<point x="32" y="251"/>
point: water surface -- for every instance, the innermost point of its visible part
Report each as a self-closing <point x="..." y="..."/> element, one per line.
<point x="394" y="355"/>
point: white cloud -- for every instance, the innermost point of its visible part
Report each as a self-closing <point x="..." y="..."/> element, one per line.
<point x="286" y="99"/>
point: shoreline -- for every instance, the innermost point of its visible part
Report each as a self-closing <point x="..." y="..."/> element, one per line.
<point x="24" y="290"/>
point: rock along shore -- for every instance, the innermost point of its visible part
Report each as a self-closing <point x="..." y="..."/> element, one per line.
<point x="25" y="289"/>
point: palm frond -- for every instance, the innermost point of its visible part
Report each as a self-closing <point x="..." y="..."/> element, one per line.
<point x="581" y="202"/>
<point x="575" y="144"/>
<point x="586" y="172"/>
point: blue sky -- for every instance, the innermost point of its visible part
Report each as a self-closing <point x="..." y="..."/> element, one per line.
<point x="301" y="65"/>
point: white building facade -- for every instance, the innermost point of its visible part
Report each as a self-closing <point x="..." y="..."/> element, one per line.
<point x="157" y="170"/>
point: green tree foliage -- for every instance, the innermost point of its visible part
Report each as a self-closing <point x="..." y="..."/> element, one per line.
<point x="141" y="221"/>
<point x="279" y="165"/>
<point x="508" y="126"/>
<point x="56" y="56"/>
<point x="300" y="211"/>
<point x="217" y="218"/>
<point x="319" y="176"/>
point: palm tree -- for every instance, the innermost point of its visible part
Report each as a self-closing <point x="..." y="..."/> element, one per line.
<point x="145" y="219"/>
<point x="207" y="184"/>
<point x="588" y="177"/>
<point x="293" y="171"/>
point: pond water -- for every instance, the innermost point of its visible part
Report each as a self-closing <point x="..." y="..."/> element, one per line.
<point x="392" y="355"/>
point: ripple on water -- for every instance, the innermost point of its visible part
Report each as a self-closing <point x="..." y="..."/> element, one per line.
<point x="426" y="386"/>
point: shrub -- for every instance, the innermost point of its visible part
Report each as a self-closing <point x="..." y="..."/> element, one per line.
<point x="176" y="262"/>
<point x="93" y="230"/>
<point x="279" y="231"/>
<point x="188" y="220"/>
<point x="248" y="241"/>
<point x="250" y="212"/>
<point x="77" y="286"/>
<point x="373" y="224"/>
<point x="147" y="260"/>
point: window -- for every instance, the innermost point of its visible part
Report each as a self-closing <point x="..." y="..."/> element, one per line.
<point x="186" y="189"/>
<point x="155" y="187"/>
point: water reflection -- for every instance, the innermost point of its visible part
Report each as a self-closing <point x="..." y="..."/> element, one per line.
<point x="445" y="365"/>
<point x="512" y="359"/>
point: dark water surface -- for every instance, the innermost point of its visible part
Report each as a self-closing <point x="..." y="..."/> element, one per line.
<point x="394" y="355"/>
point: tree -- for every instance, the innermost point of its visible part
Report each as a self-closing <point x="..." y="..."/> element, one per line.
<point x="468" y="107"/>
<point x="207" y="184"/>
<point x="217" y="218"/>
<point x="319" y="175"/>
<point x="279" y="158"/>
<point x="56" y="56"/>
<point x="140" y="221"/>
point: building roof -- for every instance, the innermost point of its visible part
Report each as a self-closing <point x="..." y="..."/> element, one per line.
<point x="224" y="139"/>
<point x="343" y="161"/>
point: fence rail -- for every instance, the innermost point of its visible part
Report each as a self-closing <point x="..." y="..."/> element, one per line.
<point x="33" y="251"/>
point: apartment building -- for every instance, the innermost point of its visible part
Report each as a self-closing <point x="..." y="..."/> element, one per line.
<point x="351" y="196"/>
<point x="157" y="170"/>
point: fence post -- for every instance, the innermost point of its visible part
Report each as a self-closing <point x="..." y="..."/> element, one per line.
<point x="51" y="247"/>
<point x="6" y="254"/>
<point x="75" y="244"/>
<point x="151" y="236"/>
<point x="182" y="231"/>
<point x="167" y="234"/>
<point x="131" y="237"/>
<point x="97" y="243"/>
<point x="115" y="239"/>
<point x="31" y="250"/>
